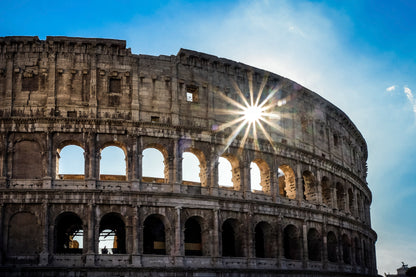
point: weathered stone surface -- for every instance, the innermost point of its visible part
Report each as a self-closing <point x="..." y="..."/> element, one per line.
<point x="311" y="219"/>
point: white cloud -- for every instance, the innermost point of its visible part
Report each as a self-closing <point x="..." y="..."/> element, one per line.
<point x="410" y="97"/>
<point x="391" y="88"/>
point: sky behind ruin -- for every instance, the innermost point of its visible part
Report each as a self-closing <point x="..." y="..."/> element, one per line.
<point x="358" y="54"/>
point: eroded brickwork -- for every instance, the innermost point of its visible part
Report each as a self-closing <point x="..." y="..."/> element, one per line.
<point x="311" y="216"/>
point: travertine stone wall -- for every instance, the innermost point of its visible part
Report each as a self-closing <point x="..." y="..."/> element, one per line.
<point x="311" y="217"/>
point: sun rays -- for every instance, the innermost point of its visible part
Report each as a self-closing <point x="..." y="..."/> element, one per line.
<point x="254" y="115"/>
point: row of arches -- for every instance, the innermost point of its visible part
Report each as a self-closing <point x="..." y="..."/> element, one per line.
<point x="236" y="240"/>
<point x="155" y="169"/>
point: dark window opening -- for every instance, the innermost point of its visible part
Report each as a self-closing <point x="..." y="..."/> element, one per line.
<point x="259" y="243"/>
<point x="314" y="245"/>
<point x="291" y="243"/>
<point x="115" y="85"/>
<point x="112" y="239"/>
<point x="155" y="119"/>
<point x="30" y="83"/>
<point x="346" y="249"/>
<point x="332" y="247"/>
<point x="193" y="241"/>
<point x="69" y="234"/>
<point x="154" y="236"/>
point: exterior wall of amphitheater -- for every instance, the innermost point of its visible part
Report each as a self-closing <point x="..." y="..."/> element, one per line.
<point x="311" y="219"/>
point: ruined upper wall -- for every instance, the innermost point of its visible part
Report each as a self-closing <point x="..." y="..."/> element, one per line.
<point x="99" y="79"/>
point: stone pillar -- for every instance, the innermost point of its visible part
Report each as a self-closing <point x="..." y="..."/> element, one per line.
<point x="175" y="170"/>
<point x="299" y="184"/>
<point x="274" y="181"/>
<point x="2" y="254"/>
<point x="51" y="98"/>
<point x="93" y="88"/>
<point x="305" y="257"/>
<point x="318" y="186"/>
<point x="136" y="234"/>
<point x="215" y="251"/>
<point x="49" y="170"/>
<point x="249" y="237"/>
<point x="324" y="245"/>
<point x="44" y="254"/>
<point x="246" y="180"/>
<point x="89" y="236"/>
<point x="178" y="245"/>
<point x="280" y="248"/>
<point x="213" y="185"/>
<point x="3" y="162"/>
<point x="8" y="98"/>
<point x="135" y="105"/>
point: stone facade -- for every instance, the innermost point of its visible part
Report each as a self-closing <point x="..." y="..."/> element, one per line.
<point x="311" y="217"/>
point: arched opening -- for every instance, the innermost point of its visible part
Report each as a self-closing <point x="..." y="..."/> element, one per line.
<point x="340" y="197"/>
<point x="351" y="202"/>
<point x="154" y="240"/>
<point x="332" y="247"/>
<point x="314" y="245"/>
<point x="69" y="234"/>
<point x="70" y="163"/>
<point x="291" y="243"/>
<point x="255" y="179"/>
<point x="310" y="188"/>
<point x="27" y="154"/>
<point x="193" y="168"/>
<point x="287" y="182"/>
<point x="259" y="176"/>
<point x="229" y="169"/>
<point x="366" y="254"/>
<point x="263" y="240"/>
<point x="346" y="249"/>
<point x="23" y="236"/>
<point x="225" y="173"/>
<point x="326" y="192"/>
<point x="113" y="164"/>
<point x="193" y="237"/>
<point x="357" y="247"/>
<point x="112" y="239"/>
<point x="360" y="206"/>
<point x="153" y="169"/>
<point x="231" y="242"/>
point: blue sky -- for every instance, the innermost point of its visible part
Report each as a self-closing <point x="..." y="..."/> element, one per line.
<point x="358" y="54"/>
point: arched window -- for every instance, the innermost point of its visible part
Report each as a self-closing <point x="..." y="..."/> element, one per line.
<point x="310" y="188"/>
<point x="153" y="166"/>
<point x="231" y="239"/>
<point x="24" y="235"/>
<point x="260" y="176"/>
<point x="366" y="254"/>
<point x="255" y="178"/>
<point x="193" y="237"/>
<point x="332" y="247"/>
<point x="70" y="163"/>
<point x="69" y="234"/>
<point x="154" y="241"/>
<point x="263" y="240"/>
<point x="191" y="168"/>
<point x="340" y="197"/>
<point x="291" y="243"/>
<point x="225" y="173"/>
<point x="314" y="245"/>
<point x="112" y="239"/>
<point x="346" y="249"/>
<point x="326" y="192"/>
<point x="113" y="165"/>
<point x="287" y="182"/>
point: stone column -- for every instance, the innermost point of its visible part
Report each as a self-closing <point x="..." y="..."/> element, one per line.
<point x="1" y="233"/>
<point x="279" y="244"/>
<point x="175" y="170"/>
<point x="213" y="179"/>
<point x="8" y="98"/>
<point x="246" y="180"/>
<point x="89" y="237"/>
<point x="51" y="98"/>
<point x="178" y="246"/>
<point x="305" y="244"/>
<point x="47" y="179"/>
<point x="215" y="251"/>
<point x="135" y="105"/>
<point x="324" y="245"/>
<point x="136" y="257"/>
<point x="44" y="255"/>
<point x="3" y="162"/>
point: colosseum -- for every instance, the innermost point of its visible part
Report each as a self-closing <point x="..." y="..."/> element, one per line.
<point x="281" y="184"/>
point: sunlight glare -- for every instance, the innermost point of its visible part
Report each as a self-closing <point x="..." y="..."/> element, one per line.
<point x="253" y="113"/>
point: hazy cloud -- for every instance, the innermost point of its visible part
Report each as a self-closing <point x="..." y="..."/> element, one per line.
<point x="410" y="97"/>
<point x="391" y="88"/>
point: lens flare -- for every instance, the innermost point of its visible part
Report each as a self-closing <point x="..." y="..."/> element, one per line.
<point x="252" y="114"/>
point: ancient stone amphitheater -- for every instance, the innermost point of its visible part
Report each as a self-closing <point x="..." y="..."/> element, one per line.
<point x="309" y="214"/>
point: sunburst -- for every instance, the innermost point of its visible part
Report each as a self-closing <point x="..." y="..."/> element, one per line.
<point x="252" y="114"/>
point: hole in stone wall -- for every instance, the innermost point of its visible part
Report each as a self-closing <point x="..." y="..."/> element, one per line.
<point x="225" y="173"/>
<point x="113" y="165"/>
<point x="71" y="163"/>
<point x="255" y="177"/>
<point x="190" y="167"/>
<point x="153" y="165"/>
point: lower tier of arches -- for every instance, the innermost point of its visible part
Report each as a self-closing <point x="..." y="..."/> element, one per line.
<point x="66" y="228"/>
